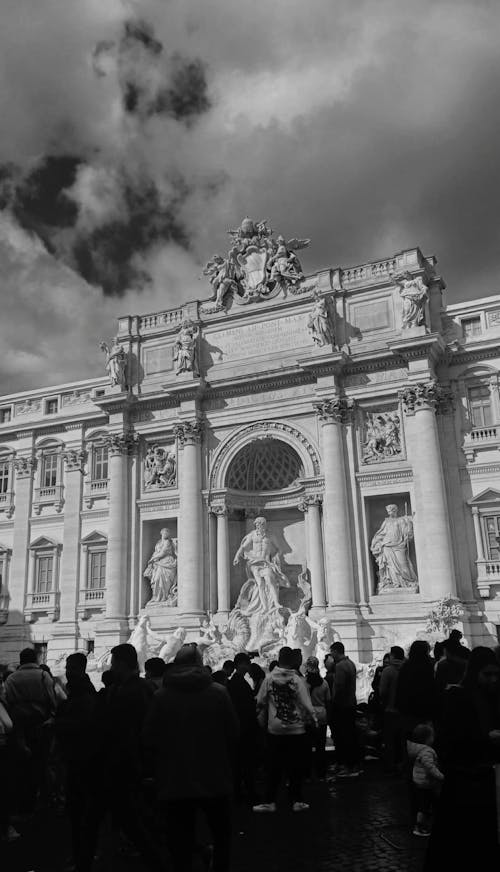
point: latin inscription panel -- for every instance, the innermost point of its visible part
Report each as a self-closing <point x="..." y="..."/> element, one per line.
<point x="254" y="340"/>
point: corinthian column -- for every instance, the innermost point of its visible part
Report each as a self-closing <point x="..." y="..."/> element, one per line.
<point x="190" y="528"/>
<point x="433" y="543"/>
<point x="120" y="445"/>
<point x="310" y="505"/>
<point x="333" y="414"/>
<point x="223" y="564"/>
<point x="24" y="467"/>
<point x="74" y="459"/>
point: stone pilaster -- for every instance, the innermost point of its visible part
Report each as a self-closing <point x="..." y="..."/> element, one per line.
<point x="223" y="561"/>
<point x="333" y="413"/>
<point x="310" y="505"/>
<point x="120" y="445"/>
<point x="421" y="402"/>
<point x="24" y="466"/>
<point x="190" y="527"/>
<point x="74" y="459"/>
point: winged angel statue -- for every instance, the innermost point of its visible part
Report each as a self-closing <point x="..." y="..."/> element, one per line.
<point x="257" y="265"/>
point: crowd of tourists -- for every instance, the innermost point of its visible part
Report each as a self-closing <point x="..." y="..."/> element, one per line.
<point x="140" y="757"/>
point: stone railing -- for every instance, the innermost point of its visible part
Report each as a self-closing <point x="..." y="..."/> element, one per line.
<point x="91" y="600"/>
<point x="4" y="607"/>
<point x="46" y="603"/>
<point x="160" y="320"/>
<point x="369" y="272"/>
<point x="48" y="496"/>
<point x="7" y="503"/>
<point x="95" y="489"/>
<point x="481" y="434"/>
<point x="488" y="573"/>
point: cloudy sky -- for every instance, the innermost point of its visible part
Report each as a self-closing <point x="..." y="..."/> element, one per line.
<point x="134" y="134"/>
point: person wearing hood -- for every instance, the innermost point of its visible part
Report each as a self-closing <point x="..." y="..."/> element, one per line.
<point x="284" y="703"/>
<point x="192" y="731"/>
<point x="393" y="737"/>
<point x="72" y="728"/>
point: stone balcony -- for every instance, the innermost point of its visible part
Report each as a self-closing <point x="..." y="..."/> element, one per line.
<point x="7" y="503"/>
<point x="488" y="574"/>
<point x="96" y="489"/>
<point x="91" y="600"/>
<point x="48" y="496"/>
<point x="42" y="604"/>
<point x="480" y="438"/>
<point x="4" y="607"/>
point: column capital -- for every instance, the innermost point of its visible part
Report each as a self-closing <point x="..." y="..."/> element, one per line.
<point x="220" y="509"/>
<point x="74" y="459"/>
<point x="427" y="395"/>
<point x="122" y="443"/>
<point x="336" y="410"/>
<point x="25" y="466"/>
<point x="188" y="432"/>
<point x="310" y="500"/>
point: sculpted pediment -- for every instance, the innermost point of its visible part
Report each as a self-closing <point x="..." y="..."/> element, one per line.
<point x="490" y="495"/>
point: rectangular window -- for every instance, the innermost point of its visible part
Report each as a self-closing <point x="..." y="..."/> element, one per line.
<point x="51" y="407"/>
<point x="4" y="477"/>
<point x="44" y="572"/>
<point x="492" y="527"/>
<point x="90" y="646"/>
<point x="49" y="470"/>
<point x="41" y="651"/>
<point x="100" y="463"/>
<point x="480" y="406"/>
<point x="96" y="573"/>
<point x="5" y="415"/>
<point x="471" y="327"/>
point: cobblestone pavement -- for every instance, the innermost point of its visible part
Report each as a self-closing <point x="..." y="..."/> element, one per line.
<point x="354" y="825"/>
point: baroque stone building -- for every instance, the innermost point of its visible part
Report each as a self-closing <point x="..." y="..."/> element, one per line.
<point x="315" y="402"/>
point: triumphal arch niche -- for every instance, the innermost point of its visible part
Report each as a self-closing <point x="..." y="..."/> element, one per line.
<point x="268" y="470"/>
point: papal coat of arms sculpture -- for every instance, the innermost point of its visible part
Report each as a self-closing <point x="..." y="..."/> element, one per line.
<point x="258" y="266"/>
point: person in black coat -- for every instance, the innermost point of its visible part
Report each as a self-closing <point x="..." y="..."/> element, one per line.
<point x="243" y="699"/>
<point x="415" y="693"/>
<point x="72" y="729"/>
<point x="468" y="744"/>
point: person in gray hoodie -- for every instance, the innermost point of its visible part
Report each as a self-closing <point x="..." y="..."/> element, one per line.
<point x="284" y="707"/>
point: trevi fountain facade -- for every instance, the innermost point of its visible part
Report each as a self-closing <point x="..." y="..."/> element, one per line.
<point x="296" y="458"/>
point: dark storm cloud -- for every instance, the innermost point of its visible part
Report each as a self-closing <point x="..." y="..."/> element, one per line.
<point x="135" y="133"/>
<point x="44" y="199"/>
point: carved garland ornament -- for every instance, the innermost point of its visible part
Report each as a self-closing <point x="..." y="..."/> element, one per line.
<point x="427" y="395"/>
<point x="265" y="428"/>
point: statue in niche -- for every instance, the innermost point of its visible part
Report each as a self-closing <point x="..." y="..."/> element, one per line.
<point x="319" y="322"/>
<point x="162" y="570"/>
<point x="259" y="595"/>
<point x="160" y="468"/>
<point x="391" y="548"/>
<point x="383" y="438"/>
<point x="116" y="363"/>
<point x="413" y="293"/>
<point x="185" y="348"/>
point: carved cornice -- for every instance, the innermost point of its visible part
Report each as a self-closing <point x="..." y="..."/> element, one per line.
<point x="311" y="500"/>
<point x="188" y="432"/>
<point x="479" y="469"/>
<point x="121" y="443"/>
<point x="377" y="478"/>
<point x="25" y="466"/>
<point x="74" y="459"/>
<point x="336" y="410"/>
<point x="427" y="395"/>
<point x="158" y="505"/>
